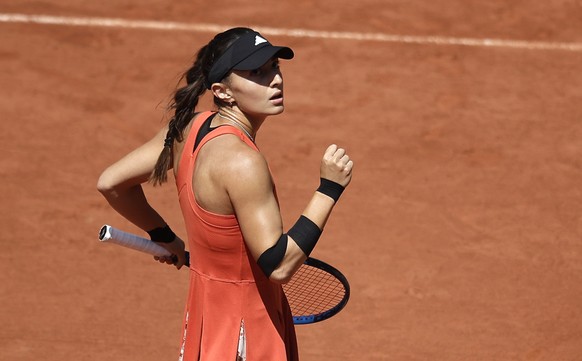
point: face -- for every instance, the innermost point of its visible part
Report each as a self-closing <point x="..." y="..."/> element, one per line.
<point x="258" y="93"/>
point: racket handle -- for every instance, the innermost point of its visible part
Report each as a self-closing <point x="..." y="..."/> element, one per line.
<point x="113" y="235"/>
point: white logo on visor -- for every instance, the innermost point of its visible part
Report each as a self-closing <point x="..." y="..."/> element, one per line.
<point x="259" y="40"/>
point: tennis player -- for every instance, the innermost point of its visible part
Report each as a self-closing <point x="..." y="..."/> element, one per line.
<point x="240" y="254"/>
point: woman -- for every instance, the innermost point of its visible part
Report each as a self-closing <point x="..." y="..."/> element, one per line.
<point x="240" y="256"/>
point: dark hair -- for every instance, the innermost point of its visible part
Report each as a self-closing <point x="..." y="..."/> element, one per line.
<point x="186" y="98"/>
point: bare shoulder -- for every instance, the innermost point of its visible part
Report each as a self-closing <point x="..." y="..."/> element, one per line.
<point x="229" y="172"/>
<point x="235" y="166"/>
<point x="234" y="158"/>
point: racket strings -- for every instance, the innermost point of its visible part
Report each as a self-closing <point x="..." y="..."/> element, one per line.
<point x="313" y="291"/>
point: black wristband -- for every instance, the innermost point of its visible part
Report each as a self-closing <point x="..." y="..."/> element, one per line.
<point x="305" y="233"/>
<point x="330" y="188"/>
<point x="162" y="235"/>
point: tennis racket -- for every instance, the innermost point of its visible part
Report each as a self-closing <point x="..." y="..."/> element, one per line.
<point x="316" y="292"/>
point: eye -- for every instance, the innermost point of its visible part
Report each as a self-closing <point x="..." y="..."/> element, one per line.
<point x="273" y="65"/>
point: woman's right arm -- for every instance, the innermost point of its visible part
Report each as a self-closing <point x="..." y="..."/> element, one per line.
<point x="121" y="182"/>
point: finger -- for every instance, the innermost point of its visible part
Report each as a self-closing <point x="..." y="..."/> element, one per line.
<point x="176" y="261"/>
<point x="344" y="160"/>
<point x="339" y="153"/>
<point x="329" y="152"/>
<point x="349" y="166"/>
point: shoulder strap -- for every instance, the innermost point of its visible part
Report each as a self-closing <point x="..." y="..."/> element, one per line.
<point x="221" y="130"/>
<point x="189" y="144"/>
<point x="194" y="131"/>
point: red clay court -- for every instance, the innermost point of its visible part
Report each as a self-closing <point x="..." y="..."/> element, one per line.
<point x="461" y="233"/>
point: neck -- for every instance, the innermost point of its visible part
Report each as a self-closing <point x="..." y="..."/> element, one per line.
<point x="238" y="119"/>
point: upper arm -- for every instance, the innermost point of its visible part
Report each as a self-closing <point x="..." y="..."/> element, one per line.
<point x="135" y="167"/>
<point x="250" y="189"/>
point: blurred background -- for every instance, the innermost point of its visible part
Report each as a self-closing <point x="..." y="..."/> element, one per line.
<point x="460" y="233"/>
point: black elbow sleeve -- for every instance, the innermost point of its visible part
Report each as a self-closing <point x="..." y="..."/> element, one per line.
<point x="304" y="232"/>
<point x="272" y="257"/>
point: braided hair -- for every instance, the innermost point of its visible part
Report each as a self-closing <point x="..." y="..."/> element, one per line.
<point x="186" y="98"/>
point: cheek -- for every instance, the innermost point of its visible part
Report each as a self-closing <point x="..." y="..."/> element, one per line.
<point x="249" y="97"/>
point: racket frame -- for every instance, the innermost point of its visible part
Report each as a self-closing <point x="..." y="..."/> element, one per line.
<point x="308" y="319"/>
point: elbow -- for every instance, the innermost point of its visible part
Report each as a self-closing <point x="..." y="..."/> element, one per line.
<point x="281" y="276"/>
<point x="281" y="261"/>
<point x="105" y="184"/>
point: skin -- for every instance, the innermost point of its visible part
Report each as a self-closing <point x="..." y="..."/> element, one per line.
<point x="230" y="177"/>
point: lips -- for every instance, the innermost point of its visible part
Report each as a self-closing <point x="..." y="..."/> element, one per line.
<point x="277" y="95"/>
<point x="277" y="99"/>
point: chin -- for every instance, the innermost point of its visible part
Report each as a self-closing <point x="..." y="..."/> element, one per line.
<point x="280" y="109"/>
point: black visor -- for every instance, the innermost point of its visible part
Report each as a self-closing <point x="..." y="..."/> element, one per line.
<point x="249" y="52"/>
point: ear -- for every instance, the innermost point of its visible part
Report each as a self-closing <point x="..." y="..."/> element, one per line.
<point x="222" y="92"/>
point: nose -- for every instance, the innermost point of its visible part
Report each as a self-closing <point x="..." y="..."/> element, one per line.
<point x="277" y="79"/>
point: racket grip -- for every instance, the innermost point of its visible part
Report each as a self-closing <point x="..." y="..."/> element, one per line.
<point x="113" y="235"/>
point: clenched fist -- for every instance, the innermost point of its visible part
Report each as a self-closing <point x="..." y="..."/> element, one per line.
<point x="336" y="165"/>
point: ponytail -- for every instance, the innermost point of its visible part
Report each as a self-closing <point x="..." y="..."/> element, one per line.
<point x="185" y="101"/>
<point x="160" y="172"/>
<point x="186" y="98"/>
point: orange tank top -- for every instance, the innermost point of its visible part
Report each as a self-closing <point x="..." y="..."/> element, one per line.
<point x="227" y="288"/>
